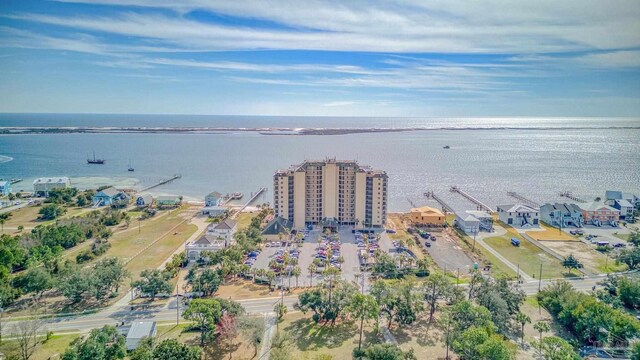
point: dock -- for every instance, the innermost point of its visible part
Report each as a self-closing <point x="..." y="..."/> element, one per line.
<point x="479" y="204"/>
<point x="439" y="200"/>
<point x="162" y="182"/>
<point x="523" y="199"/>
<point x="569" y="195"/>
<point x="253" y="197"/>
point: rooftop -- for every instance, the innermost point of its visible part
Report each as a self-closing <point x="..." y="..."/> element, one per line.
<point x="427" y="210"/>
<point x="517" y="208"/>
<point x="140" y="329"/>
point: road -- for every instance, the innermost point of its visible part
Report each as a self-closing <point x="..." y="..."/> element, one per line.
<point x="167" y="313"/>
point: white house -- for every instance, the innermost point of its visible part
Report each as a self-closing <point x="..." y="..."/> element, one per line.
<point x="223" y="230"/>
<point x="42" y="186"/>
<point x="138" y="331"/>
<point x="519" y="215"/>
<point x="561" y="215"/>
<point x="474" y="221"/>
<point x="194" y="249"/>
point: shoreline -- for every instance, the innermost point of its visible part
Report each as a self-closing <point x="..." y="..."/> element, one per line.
<point x="275" y="131"/>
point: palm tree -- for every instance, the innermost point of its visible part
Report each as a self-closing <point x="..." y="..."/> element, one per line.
<point x="522" y="319"/>
<point x="312" y="270"/>
<point x="411" y="242"/>
<point x="296" y="272"/>
<point x="2" y="221"/>
<point x="540" y="327"/>
<point x="271" y="276"/>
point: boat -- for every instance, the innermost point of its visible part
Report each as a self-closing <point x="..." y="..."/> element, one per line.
<point x="446" y="147"/>
<point x="130" y="167"/>
<point x="13" y="181"/>
<point x="94" y="160"/>
<point x="237" y="195"/>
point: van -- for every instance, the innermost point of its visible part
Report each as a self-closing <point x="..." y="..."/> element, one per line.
<point x="515" y="242"/>
<point x="602" y="243"/>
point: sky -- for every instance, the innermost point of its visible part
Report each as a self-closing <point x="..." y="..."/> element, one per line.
<point x="321" y="58"/>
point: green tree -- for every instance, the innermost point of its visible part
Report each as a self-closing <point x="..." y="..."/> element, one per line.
<point x="630" y="257"/>
<point x="296" y="272"/>
<point x="20" y="228"/>
<point x="205" y="313"/>
<point x="522" y="319"/>
<point x="101" y="344"/>
<point x="153" y="282"/>
<point x="541" y="327"/>
<point x="363" y="307"/>
<point x="634" y="238"/>
<point x="436" y="287"/>
<point x="555" y="348"/>
<point x="252" y="329"/>
<point x="570" y="262"/>
<point x="481" y="344"/>
<point x="387" y="352"/>
<point x="108" y="274"/>
<point x="168" y="349"/>
<point x="635" y="351"/>
<point x="35" y="281"/>
<point x="76" y="285"/>
<point x="51" y="211"/>
<point x="629" y="290"/>
<point x="326" y="302"/>
<point x="207" y="282"/>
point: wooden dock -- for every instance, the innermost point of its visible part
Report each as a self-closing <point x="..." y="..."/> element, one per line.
<point x="523" y="199"/>
<point x="439" y="200"/>
<point x="479" y="204"/>
<point x="569" y="195"/>
<point x="162" y="182"/>
<point x="255" y="196"/>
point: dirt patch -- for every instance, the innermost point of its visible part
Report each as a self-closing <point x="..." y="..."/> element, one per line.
<point x="589" y="257"/>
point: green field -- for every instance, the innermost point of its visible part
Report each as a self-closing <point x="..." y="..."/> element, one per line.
<point x="529" y="257"/>
<point x="28" y="218"/>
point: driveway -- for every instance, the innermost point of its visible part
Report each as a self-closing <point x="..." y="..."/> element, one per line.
<point x="447" y="253"/>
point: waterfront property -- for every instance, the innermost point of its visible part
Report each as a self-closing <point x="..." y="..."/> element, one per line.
<point x="427" y="216"/>
<point x="276" y="228"/>
<point x="598" y="214"/>
<point x="42" y="186"/>
<point x="213" y="199"/>
<point x="561" y="214"/>
<point x="626" y="209"/>
<point x="168" y="201"/>
<point x="223" y="230"/>
<point x="612" y="195"/>
<point x="343" y="190"/>
<point x="144" y="201"/>
<point x="474" y="221"/>
<point x="213" y="204"/>
<point x="138" y="331"/>
<point x="210" y="243"/>
<point x="518" y="215"/>
<point x="110" y="197"/>
<point x="5" y="187"/>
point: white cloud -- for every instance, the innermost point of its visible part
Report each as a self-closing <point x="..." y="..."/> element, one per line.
<point x="620" y="59"/>
<point x="339" y="103"/>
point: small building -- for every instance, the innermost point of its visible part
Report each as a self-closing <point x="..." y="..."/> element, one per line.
<point x="277" y="226"/>
<point x="474" y="221"/>
<point x="194" y="249"/>
<point x="144" y="201"/>
<point x="168" y="201"/>
<point x="598" y="214"/>
<point x="519" y="215"/>
<point x="427" y="216"/>
<point x="5" y="187"/>
<point x="111" y="197"/>
<point x="626" y="209"/>
<point x="138" y="331"/>
<point x="561" y="215"/>
<point x="223" y="230"/>
<point x="213" y="199"/>
<point x="42" y="186"/>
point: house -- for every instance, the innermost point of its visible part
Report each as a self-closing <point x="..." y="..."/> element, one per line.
<point x="612" y="195"/>
<point x="474" y="221"/>
<point x="223" y="230"/>
<point x="213" y="199"/>
<point x="427" y="216"/>
<point x="194" y="249"/>
<point x="42" y="186"/>
<point x="5" y="187"/>
<point x="561" y="215"/>
<point x="598" y="214"/>
<point x="110" y="197"/>
<point x="213" y="205"/>
<point x="144" y="200"/>
<point x="168" y="201"/>
<point x="276" y="227"/>
<point x="519" y="215"/>
<point x="138" y="331"/>
<point x="626" y="209"/>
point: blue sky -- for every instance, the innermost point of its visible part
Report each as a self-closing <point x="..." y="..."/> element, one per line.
<point x="354" y="58"/>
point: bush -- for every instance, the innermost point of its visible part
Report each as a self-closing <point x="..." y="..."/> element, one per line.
<point x="84" y="256"/>
<point x="357" y="353"/>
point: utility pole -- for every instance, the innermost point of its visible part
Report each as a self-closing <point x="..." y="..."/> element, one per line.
<point x="475" y="232"/>
<point x="518" y="274"/>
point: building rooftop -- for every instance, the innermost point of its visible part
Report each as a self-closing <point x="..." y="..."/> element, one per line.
<point x="226" y="224"/>
<point x="480" y="214"/>
<point x="110" y="191"/>
<point x="169" y="198"/>
<point x="596" y="205"/>
<point x="140" y="329"/>
<point x="427" y="211"/>
<point x="516" y="208"/>
<point x="278" y="225"/>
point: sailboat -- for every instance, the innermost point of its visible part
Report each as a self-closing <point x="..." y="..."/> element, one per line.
<point x="94" y="160"/>
<point x="130" y="167"/>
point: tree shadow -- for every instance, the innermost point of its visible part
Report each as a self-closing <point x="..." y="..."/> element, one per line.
<point x="311" y="336"/>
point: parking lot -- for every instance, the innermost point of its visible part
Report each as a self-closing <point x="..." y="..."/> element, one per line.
<point x="447" y="253"/>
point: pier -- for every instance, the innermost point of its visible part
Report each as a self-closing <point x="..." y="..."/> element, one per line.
<point x="523" y="199"/>
<point x="413" y="205"/>
<point x="481" y="205"/>
<point x="255" y="196"/>
<point x="569" y="195"/>
<point x="439" y="200"/>
<point x="162" y="182"/>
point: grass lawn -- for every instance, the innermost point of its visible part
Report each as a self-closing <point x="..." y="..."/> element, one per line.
<point x="624" y="237"/>
<point x="46" y="349"/>
<point x="311" y="339"/>
<point x="591" y="259"/>
<point x="528" y="256"/>
<point x="550" y="233"/>
<point x="426" y="340"/>
<point x="244" y="219"/>
<point x="28" y="217"/>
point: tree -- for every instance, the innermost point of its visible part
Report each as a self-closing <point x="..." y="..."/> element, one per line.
<point x="363" y="307"/>
<point x="207" y="282"/>
<point x="312" y="271"/>
<point x="35" y="281"/>
<point x="481" y="344"/>
<point x="634" y="238"/>
<point x="555" y="348"/>
<point x="397" y="301"/>
<point x="20" y="228"/>
<point x="635" y="351"/>
<point x="252" y="329"/>
<point x="387" y="352"/>
<point x="108" y="275"/>
<point x="570" y="262"/>
<point x="296" y="272"/>
<point x="26" y="334"/>
<point x="541" y="327"/>
<point x="280" y="346"/>
<point x="227" y="329"/>
<point x="327" y="302"/>
<point x="436" y="287"/>
<point x="101" y="344"/>
<point x="50" y="212"/>
<point x="630" y="257"/>
<point x="76" y="285"/>
<point x="168" y="349"/>
<point x="280" y="309"/>
<point x="522" y="319"/>
<point x="2" y="221"/>
<point x="153" y="282"/>
<point x="629" y="291"/>
<point x="205" y="313"/>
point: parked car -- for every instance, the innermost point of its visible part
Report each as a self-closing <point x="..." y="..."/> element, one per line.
<point x="427" y="244"/>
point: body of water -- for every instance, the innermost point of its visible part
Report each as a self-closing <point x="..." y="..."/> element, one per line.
<point x="535" y="157"/>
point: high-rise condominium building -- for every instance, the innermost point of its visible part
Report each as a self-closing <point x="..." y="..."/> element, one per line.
<point x="316" y="191"/>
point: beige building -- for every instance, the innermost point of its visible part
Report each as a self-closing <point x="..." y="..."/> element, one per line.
<point x="314" y="191"/>
<point x="427" y="216"/>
